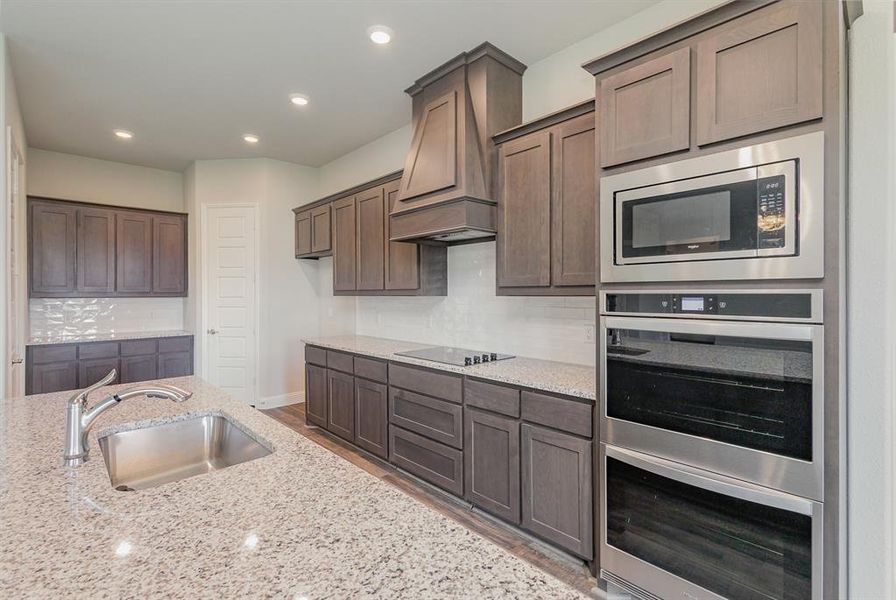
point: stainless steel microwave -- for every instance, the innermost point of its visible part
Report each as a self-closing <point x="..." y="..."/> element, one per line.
<point x="751" y="213"/>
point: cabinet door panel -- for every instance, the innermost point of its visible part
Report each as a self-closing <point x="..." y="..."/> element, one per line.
<point x="133" y="253"/>
<point x="52" y="230"/>
<point x="645" y="110"/>
<point x="344" y="245"/>
<point x="556" y="488"/>
<point x="341" y="405"/>
<point x="320" y="229"/>
<point x="315" y="395"/>
<point x="492" y="463"/>
<point x="759" y="72"/>
<point x="402" y="259"/>
<point x="303" y="233"/>
<point x="53" y="377"/>
<point x="431" y="164"/>
<point x="96" y="251"/>
<point x="169" y="255"/>
<point x="175" y="364"/>
<point x="371" y="235"/>
<point x="371" y="417"/>
<point x="93" y="370"/>
<point x="573" y="203"/>
<point x="524" y="212"/>
<point x="139" y="368"/>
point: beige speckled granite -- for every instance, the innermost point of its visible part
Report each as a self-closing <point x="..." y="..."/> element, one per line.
<point x="43" y="340"/>
<point x="550" y="376"/>
<point x="323" y="528"/>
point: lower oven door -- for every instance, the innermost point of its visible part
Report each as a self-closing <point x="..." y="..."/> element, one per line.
<point x="743" y="399"/>
<point x="673" y="531"/>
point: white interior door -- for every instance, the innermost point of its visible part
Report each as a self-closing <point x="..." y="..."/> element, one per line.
<point x="15" y="262"/>
<point x="230" y="299"/>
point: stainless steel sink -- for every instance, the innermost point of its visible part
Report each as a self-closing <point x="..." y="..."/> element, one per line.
<point x="626" y="351"/>
<point x="143" y="458"/>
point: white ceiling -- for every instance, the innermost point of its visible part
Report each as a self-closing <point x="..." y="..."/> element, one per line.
<point x="190" y="77"/>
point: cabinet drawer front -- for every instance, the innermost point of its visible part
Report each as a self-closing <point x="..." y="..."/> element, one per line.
<point x="496" y="398"/>
<point x="139" y="347"/>
<point x="340" y="361"/>
<point x="51" y="354"/>
<point x="176" y="344"/>
<point x="316" y="356"/>
<point x="436" y="419"/>
<point x="429" y="460"/>
<point x="369" y="368"/>
<point x="432" y="383"/>
<point x="98" y="350"/>
<point x="559" y="413"/>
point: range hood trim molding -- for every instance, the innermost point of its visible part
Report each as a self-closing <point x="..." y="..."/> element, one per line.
<point x="464" y="58"/>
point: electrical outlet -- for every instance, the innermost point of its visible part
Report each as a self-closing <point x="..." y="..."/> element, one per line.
<point x="589" y="333"/>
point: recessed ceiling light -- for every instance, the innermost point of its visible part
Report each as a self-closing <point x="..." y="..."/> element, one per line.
<point x="252" y="139"/>
<point x="380" y="34"/>
<point x="124" y="134"/>
<point x="298" y="99"/>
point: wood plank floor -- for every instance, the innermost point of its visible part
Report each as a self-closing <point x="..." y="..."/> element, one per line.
<point x="565" y="568"/>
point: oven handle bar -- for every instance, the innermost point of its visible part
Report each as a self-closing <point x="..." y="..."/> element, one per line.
<point x="801" y="332"/>
<point x="713" y="482"/>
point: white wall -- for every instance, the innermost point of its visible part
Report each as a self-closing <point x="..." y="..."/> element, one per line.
<point x="288" y="288"/>
<point x="71" y="177"/>
<point x="871" y="322"/>
<point x="381" y="156"/>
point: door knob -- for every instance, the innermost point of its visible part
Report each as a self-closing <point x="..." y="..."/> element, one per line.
<point x="212" y="331"/>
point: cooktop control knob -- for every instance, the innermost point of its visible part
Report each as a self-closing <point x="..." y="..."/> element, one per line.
<point x="494" y="356"/>
<point x="485" y="358"/>
<point x="468" y="361"/>
<point x="476" y="360"/>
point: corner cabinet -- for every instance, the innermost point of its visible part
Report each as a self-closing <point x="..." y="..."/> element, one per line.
<point x="85" y="250"/>
<point x="546" y="208"/>
<point x="313" y="232"/>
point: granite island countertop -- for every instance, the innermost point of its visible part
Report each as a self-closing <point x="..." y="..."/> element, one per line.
<point x="550" y="376"/>
<point x="72" y="338"/>
<point x="299" y="523"/>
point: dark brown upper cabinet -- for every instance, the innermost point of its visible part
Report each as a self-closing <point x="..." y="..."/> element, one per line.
<point x="169" y="255"/>
<point x="645" y="109"/>
<point x="547" y="202"/>
<point x="344" y="245"/>
<point x="96" y="251"/>
<point x="760" y="72"/>
<point x="371" y="235"/>
<point x="313" y="232"/>
<point x="448" y="186"/>
<point x="52" y="232"/>
<point x="86" y="250"/>
<point x="402" y="259"/>
<point x="134" y="253"/>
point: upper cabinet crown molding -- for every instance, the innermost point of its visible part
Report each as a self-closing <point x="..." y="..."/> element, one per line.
<point x="483" y="49"/>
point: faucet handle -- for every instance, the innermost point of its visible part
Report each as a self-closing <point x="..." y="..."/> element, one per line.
<point x="82" y="395"/>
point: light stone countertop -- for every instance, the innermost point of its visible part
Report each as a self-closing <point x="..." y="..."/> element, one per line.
<point x="324" y="528"/>
<point x="68" y="338"/>
<point x="558" y="377"/>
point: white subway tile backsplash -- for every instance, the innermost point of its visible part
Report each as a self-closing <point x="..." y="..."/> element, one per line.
<point x="88" y="316"/>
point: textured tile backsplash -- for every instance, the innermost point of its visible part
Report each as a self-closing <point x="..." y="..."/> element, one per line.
<point x="85" y="316"/>
<point x="473" y="316"/>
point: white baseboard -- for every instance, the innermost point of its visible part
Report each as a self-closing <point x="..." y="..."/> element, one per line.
<point x="281" y="400"/>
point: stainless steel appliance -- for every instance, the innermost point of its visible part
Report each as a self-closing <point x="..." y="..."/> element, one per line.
<point x="461" y="357"/>
<point x="751" y="213"/>
<point x="711" y="415"/>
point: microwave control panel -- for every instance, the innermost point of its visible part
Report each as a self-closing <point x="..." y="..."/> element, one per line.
<point x="771" y="215"/>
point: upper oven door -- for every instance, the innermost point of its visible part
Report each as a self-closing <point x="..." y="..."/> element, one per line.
<point x="739" y="398"/>
<point x="745" y="213"/>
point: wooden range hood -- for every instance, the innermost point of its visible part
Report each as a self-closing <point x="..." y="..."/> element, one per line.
<point x="448" y="187"/>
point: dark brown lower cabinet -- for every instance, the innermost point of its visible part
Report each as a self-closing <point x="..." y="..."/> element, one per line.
<point x="175" y="364"/>
<point x="431" y="461"/>
<point x="91" y="371"/>
<point x="371" y="417"/>
<point x="492" y="463"/>
<point x="315" y="395"/>
<point x="53" y="377"/>
<point x="556" y="488"/>
<point x="341" y="405"/>
<point x="139" y="368"/>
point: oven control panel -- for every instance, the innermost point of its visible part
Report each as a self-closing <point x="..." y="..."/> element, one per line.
<point x="758" y="305"/>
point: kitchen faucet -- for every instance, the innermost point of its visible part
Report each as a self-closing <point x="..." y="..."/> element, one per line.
<point x="79" y="420"/>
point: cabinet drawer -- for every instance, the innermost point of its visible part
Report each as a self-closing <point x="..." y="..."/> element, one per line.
<point x="369" y="368"/>
<point x="496" y="398"/>
<point x="176" y="344"/>
<point x="436" y="419"/>
<point x="98" y="350"/>
<point x="316" y="356"/>
<point x="139" y="347"/>
<point x="340" y="361"/>
<point x="433" y="383"/>
<point x="429" y="460"/>
<point x="559" y="413"/>
<point x="50" y="354"/>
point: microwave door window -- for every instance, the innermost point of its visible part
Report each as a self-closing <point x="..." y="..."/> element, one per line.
<point x="703" y="221"/>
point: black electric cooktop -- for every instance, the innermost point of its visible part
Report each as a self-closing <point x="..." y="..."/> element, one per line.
<point x="461" y="357"/>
